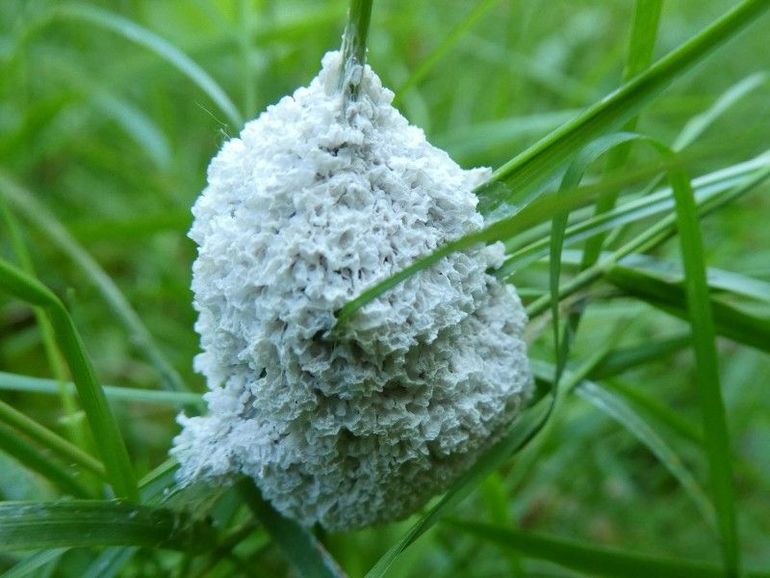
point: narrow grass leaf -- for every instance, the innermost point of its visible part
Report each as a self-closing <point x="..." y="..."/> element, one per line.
<point x="592" y="560"/>
<point x="731" y="321"/>
<point x="534" y="166"/>
<point x="701" y="319"/>
<point x="36" y="460"/>
<point x="63" y="449"/>
<point x="105" y="430"/>
<point x="50" y="227"/>
<point x="300" y="547"/>
<point x="90" y="523"/>
<point x="138" y="34"/>
<point x="15" y="382"/>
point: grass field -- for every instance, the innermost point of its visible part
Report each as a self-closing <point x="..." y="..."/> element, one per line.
<point x="654" y="459"/>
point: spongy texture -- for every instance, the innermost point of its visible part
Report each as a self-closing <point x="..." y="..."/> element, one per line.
<point x="319" y="199"/>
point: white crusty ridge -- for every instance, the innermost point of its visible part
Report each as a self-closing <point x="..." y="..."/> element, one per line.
<point x="314" y="203"/>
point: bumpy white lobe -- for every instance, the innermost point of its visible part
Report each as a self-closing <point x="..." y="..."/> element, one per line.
<point x="314" y="203"/>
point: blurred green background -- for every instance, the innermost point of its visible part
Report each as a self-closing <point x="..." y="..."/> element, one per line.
<point x="114" y="142"/>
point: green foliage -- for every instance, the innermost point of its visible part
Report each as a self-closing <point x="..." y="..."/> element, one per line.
<point x="644" y="270"/>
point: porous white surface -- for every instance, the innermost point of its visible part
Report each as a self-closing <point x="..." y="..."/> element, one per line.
<point x="319" y="199"/>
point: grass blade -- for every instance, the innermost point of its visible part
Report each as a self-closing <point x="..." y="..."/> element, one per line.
<point x="105" y="430"/>
<point x="732" y="322"/>
<point x="716" y="435"/>
<point x="512" y="181"/>
<point x="138" y="34"/>
<point x="591" y="559"/>
<point x="37" y="461"/>
<point x="15" y="382"/>
<point x="65" y="450"/>
<point x="299" y="546"/>
<point x="89" y="523"/>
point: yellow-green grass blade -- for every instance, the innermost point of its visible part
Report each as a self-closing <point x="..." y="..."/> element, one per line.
<point x="590" y="559"/>
<point x="106" y="433"/>
<point x="514" y="180"/>
<point x="91" y="523"/>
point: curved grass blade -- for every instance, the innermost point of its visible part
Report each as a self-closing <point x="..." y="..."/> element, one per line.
<point x="534" y="166"/>
<point x="591" y="559"/>
<point x="34" y="459"/>
<point x="105" y="430"/>
<point x="15" y="382"/>
<point x="49" y="226"/>
<point x="135" y="33"/>
<point x="299" y="546"/>
<point x="89" y="523"/>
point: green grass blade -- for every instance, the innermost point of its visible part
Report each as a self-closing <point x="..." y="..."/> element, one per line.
<point x="716" y="434"/>
<point x="33" y="563"/>
<point x="65" y="450"/>
<point x="621" y="360"/>
<point x="644" y="35"/>
<point x="528" y="425"/>
<point x="532" y="247"/>
<point x="512" y="181"/>
<point x="621" y="412"/>
<point x="660" y="413"/>
<point x="15" y="382"/>
<point x="90" y="523"/>
<point x="49" y="226"/>
<point x="105" y="430"/>
<point x="299" y="546"/>
<point x="33" y="458"/>
<point x="138" y="34"/>
<point x="539" y="211"/>
<point x="592" y="560"/>
<point x="731" y="322"/>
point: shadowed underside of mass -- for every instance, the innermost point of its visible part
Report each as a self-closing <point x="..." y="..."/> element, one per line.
<point x="318" y="200"/>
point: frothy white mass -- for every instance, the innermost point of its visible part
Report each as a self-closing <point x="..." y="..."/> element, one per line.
<point x="319" y="199"/>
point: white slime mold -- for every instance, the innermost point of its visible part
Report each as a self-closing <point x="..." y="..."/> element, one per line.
<point x="319" y="199"/>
